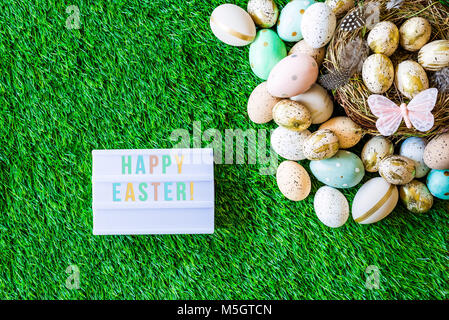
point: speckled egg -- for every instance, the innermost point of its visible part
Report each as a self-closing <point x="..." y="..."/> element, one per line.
<point x="397" y="169"/>
<point x="318" y="101"/>
<point x="434" y="56"/>
<point x="375" y="200"/>
<point x="340" y="7"/>
<point x="411" y="78"/>
<point x="344" y="170"/>
<point x="321" y="144"/>
<point x="263" y="12"/>
<point x="288" y="143"/>
<point x="413" y="148"/>
<point x="416" y="197"/>
<point x="293" y="180"/>
<point x="414" y="33"/>
<point x="260" y="104"/>
<point x="348" y="132"/>
<point x="384" y="38"/>
<point x="292" y="75"/>
<point x="331" y="207"/>
<point x="378" y="73"/>
<point x="289" y="24"/>
<point x="376" y="149"/>
<point x="304" y="48"/>
<point x="292" y="115"/>
<point x="318" y="25"/>
<point x="438" y="183"/>
<point x="265" y="52"/>
<point x="436" y="153"/>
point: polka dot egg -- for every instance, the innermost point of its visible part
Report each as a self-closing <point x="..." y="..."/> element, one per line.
<point x="289" y="23"/>
<point x="331" y="207"/>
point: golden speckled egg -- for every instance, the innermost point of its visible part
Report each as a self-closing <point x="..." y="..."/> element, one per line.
<point x="414" y="33"/>
<point x="292" y="115"/>
<point x="434" y="56"/>
<point x="288" y="143"/>
<point x="322" y="144"/>
<point x="318" y="101"/>
<point x="264" y="12"/>
<point x="436" y="153"/>
<point x="293" y="180"/>
<point x="260" y="104"/>
<point x="348" y="132"/>
<point x="384" y="38"/>
<point x="340" y="7"/>
<point x="411" y="78"/>
<point x="416" y="197"/>
<point x="397" y="169"/>
<point x="303" y="47"/>
<point x="375" y="150"/>
<point x="378" y="73"/>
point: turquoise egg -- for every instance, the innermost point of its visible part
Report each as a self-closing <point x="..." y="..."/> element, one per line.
<point x="289" y="23"/>
<point x="265" y="52"/>
<point x="344" y="170"/>
<point x="438" y="183"/>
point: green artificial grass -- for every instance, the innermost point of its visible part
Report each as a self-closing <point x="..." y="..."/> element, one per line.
<point x="134" y="72"/>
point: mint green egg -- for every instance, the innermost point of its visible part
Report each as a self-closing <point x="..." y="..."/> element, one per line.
<point x="265" y="52"/>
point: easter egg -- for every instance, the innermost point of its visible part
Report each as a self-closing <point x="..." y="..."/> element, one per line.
<point x="318" y="101"/>
<point x="384" y="38"/>
<point x="331" y="207"/>
<point x="303" y="47"/>
<point x="265" y="52"/>
<point x="260" y="104"/>
<point x="292" y="75"/>
<point x="416" y="197"/>
<point x="288" y="143"/>
<point x="232" y="25"/>
<point x="414" y="33"/>
<point x="376" y="149"/>
<point x="292" y="115"/>
<point x="318" y="25"/>
<point x="413" y="148"/>
<point x="434" y="56"/>
<point x="438" y="183"/>
<point x="375" y="200"/>
<point x="436" y="153"/>
<point x="289" y="24"/>
<point x="378" y="73"/>
<point x="344" y="170"/>
<point x="397" y="169"/>
<point x="348" y="132"/>
<point x="411" y="78"/>
<point x="293" y="180"/>
<point x="340" y="7"/>
<point x="321" y="144"/>
<point x="263" y="12"/>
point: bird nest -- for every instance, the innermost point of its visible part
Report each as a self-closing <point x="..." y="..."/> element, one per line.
<point x="353" y="96"/>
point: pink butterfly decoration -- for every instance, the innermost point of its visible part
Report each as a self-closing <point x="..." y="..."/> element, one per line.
<point x="416" y="113"/>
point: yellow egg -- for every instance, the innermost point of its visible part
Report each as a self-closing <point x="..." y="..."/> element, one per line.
<point x="414" y="33"/>
<point x="340" y="7"/>
<point x="260" y="104"/>
<point x="411" y="78"/>
<point x="434" y="56"/>
<point x="378" y="73"/>
<point x="348" y="132"/>
<point x="303" y="47"/>
<point x="384" y="38"/>
<point x="293" y="180"/>
<point x="264" y="12"/>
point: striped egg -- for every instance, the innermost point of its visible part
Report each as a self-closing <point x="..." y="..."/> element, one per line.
<point x="397" y="169"/>
<point x="321" y="144"/>
<point x="293" y="181"/>
<point x="434" y="56"/>
<point x="416" y="197"/>
<point x="292" y="115"/>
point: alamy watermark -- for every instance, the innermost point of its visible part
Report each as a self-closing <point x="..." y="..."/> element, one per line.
<point x="73" y="280"/>
<point x="73" y="21"/>
<point x="372" y="278"/>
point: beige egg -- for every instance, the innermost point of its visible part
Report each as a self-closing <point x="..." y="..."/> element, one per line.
<point x="416" y="197"/>
<point x="318" y="101"/>
<point x="331" y="207"/>
<point x="375" y="150"/>
<point x="293" y="180"/>
<point x="348" y="132"/>
<point x="261" y="104"/>
<point x="292" y="115"/>
<point x="303" y="47"/>
<point x="340" y="7"/>
<point x="378" y="73"/>
<point x="434" y="56"/>
<point x="288" y="143"/>
<point x="414" y="33"/>
<point x="384" y="38"/>
<point x="397" y="169"/>
<point x="436" y="153"/>
<point x="321" y="144"/>
<point x="411" y="78"/>
<point x="263" y="12"/>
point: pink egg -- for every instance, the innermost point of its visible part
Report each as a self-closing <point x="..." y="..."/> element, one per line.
<point x="293" y="75"/>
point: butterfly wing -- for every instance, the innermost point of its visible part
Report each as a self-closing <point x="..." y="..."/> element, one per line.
<point x="388" y="112"/>
<point x="419" y="109"/>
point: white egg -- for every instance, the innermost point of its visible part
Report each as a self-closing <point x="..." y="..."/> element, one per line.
<point x="318" y="25"/>
<point x="331" y="207"/>
<point x="318" y="101"/>
<point x="411" y="78"/>
<point x="434" y="56"/>
<point x="413" y="148"/>
<point x="288" y="144"/>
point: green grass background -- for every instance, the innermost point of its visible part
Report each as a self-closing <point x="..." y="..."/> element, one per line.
<point x="134" y="72"/>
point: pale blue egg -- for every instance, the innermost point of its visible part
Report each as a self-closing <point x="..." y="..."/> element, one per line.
<point x="344" y="170"/>
<point x="413" y="148"/>
<point x="289" y="23"/>
<point x="438" y="183"/>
